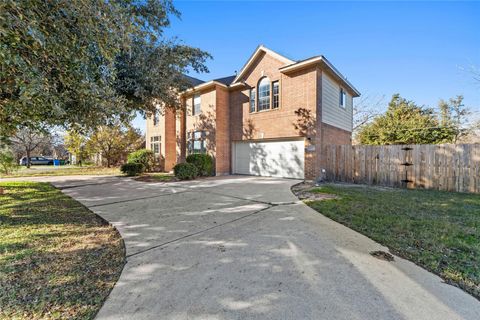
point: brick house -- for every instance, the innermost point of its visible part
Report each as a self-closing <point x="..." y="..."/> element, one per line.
<point x="271" y="119"/>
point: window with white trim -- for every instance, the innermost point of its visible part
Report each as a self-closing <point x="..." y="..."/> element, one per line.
<point x="197" y="105"/>
<point x="275" y="95"/>
<point x="263" y="94"/>
<point x="196" y="142"/>
<point x="155" y="144"/>
<point x="342" y="98"/>
<point x="252" y="100"/>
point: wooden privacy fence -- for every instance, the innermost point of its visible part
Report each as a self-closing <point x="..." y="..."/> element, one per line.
<point x="446" y="167"/>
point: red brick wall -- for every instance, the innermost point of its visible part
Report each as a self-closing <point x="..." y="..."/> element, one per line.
<point x="234" y="122"/>
<point x="310" y="168"/>
<point x="296" y="91"/>
<point x="170" y="139"/>
<point x="317" y="152"/>
<point x="334" y="135"/>
<point x="183" y="137"/>
<point x="222" y="136"/>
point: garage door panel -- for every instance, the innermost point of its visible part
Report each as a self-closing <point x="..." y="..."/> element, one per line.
<point x="270" y="158"/>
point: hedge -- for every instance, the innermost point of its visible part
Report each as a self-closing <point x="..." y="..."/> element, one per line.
<point x="144" y="157"/>
<point x="203" y="162"/>
<point x="185" y="171"/>
<point x="132" y="169"/>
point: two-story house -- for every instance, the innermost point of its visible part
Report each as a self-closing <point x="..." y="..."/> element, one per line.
<point x="271" y="119"/>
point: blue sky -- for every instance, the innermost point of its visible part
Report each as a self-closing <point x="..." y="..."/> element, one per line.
<point x="422" y="50"/>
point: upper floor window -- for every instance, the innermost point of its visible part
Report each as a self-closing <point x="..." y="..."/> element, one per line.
<point x="197" y="142"/>
<point x="156" y="118"/>
<point x="155" y="144"/>
<point x="252" y="100"/>
<point x="263" y="94"/>
<point x="275" y="95"/>
<point x="197" y="104"/>
<point x="343" y="98"/>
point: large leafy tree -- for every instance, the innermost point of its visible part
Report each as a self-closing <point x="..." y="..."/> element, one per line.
<point x="150" y="75"/>
<point x="113" y="142"/>
<point x="76" y="144"/>
<point x="79" y="63"/>
<point x="404" y="122"/>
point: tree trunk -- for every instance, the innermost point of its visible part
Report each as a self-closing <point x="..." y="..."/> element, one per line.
<point x="28" y="157"/>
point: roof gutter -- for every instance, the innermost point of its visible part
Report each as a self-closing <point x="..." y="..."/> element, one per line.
<point x="234" y="86"/>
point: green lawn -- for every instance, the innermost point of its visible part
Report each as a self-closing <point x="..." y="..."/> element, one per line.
<point x="156" y="177"/>
<point x="61" y="171"/>
<point x="439" y="231"/>
<point x="58" y="260"/>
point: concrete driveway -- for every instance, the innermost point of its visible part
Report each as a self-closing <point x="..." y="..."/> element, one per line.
<point x="244" y="248"/>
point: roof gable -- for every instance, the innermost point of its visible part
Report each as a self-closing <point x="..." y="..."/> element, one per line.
<point x="260" y="49"/>
<point x="323" y="62"/>
<point x="287" y="67"/>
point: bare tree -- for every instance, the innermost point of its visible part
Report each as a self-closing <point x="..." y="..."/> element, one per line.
<point x="29" y="140"/>
<point x="473" y="135"/>
<point x="475" y="73"/>
<point x="366" y="109"/>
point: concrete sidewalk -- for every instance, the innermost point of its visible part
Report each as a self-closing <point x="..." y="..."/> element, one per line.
<point x="245" y="248"/>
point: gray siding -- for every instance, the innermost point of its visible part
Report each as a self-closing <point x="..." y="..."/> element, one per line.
<point x="332" y="113"/>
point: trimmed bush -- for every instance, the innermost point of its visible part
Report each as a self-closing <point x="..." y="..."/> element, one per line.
<point x="185" y="171"/>
<point x="144" y="157"/>
<point x="203" y="162"/>
<point x="132" y="169"/>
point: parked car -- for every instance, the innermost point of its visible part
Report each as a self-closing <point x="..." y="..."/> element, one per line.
<point x="36" y="161"/>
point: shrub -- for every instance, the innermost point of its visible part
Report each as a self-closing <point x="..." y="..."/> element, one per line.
<point x="143" y="156"/>
<point x="132" y="169"/>
<point x="203" y="162"/>
<point x="185" y="171"/>
<point x="7" y="161"/>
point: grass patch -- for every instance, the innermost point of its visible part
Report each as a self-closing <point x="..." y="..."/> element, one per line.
<point x="156" y="177"/>
<point x="36" y="171"/>
<point x="58" y="260"/>
<point x="439" y="231"/>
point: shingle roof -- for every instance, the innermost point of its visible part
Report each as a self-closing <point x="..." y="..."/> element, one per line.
<point x="193" y="81"/>
<point x="225" y="80"/>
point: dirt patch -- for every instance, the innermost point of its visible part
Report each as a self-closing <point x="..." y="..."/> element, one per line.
<point x="302" y="191"/>
<point x="382" y="255"/>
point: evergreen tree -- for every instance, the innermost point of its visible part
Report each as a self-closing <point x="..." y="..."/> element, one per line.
<point x="404" y="122"/>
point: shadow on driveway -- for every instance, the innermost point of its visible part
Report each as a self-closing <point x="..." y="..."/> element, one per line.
<point x="245" y="248"/>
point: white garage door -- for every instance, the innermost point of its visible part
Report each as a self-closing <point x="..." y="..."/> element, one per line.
<point x="269" y="158"/>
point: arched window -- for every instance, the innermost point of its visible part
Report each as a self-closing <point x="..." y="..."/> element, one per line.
<point x="252" y="99"/>
<point x="263" y="94"/>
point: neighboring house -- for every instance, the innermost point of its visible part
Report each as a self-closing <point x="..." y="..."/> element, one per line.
<point x="271" y="119"/>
